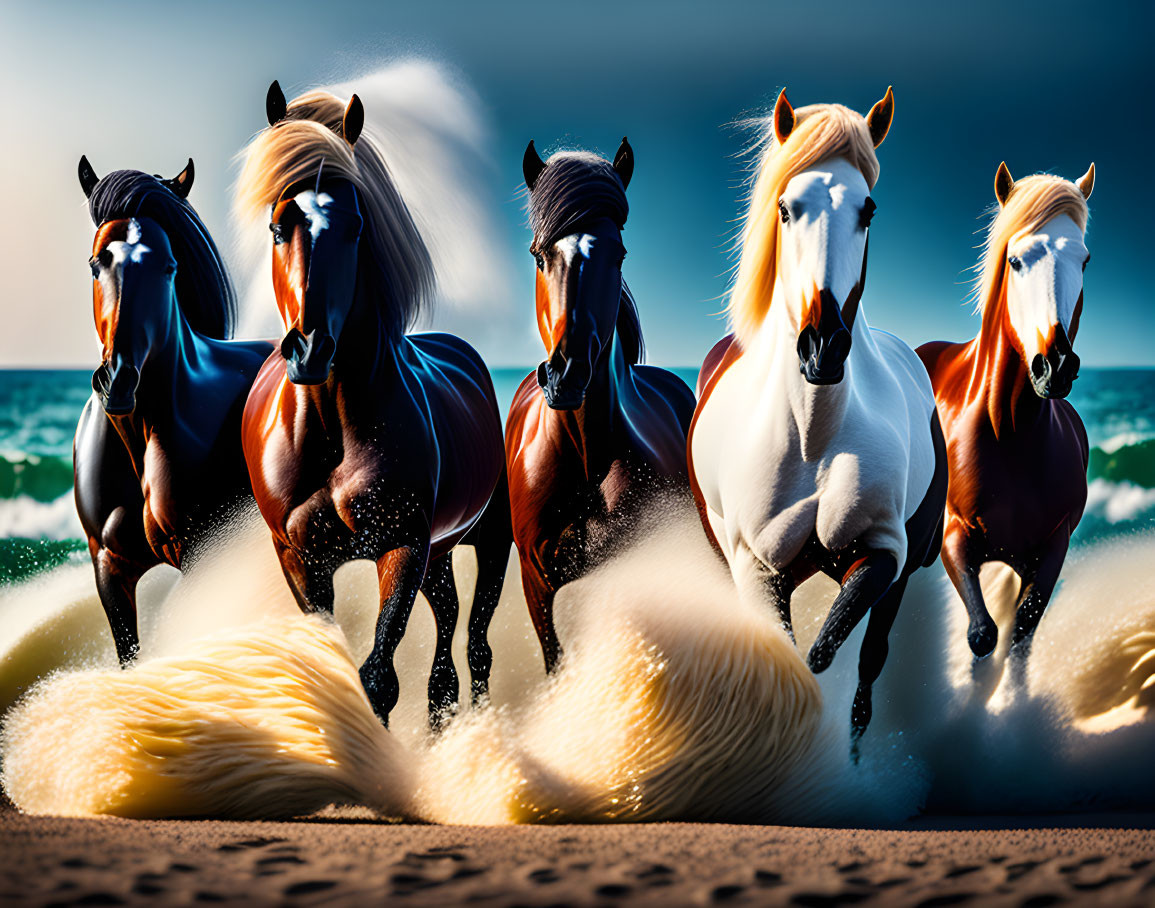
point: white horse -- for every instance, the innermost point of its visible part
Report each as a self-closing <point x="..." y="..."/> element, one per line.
<point x="815" y="444"/>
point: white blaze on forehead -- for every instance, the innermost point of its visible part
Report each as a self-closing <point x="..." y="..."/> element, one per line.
<point x="575" y="244"/>
<point x="130" y="249"/>
<point x="314" y="206"/>
<point x="1046" y="288"/>
<point x="822" y="243"/>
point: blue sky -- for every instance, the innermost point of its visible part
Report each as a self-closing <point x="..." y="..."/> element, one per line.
<point x="1044" y="86"/>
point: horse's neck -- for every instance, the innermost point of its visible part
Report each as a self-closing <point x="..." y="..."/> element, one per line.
<point x="366" y="352"/>
<point x="998" y="377"/>
<point x="816" y="411"/>
<point x="597" y="422"/>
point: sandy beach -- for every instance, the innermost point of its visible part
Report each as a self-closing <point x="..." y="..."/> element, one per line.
<point x="348" y="860"/>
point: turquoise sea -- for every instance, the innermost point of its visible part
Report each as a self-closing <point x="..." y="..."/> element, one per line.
<point x="39" y="410"/>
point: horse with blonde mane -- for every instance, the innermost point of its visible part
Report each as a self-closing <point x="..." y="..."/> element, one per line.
<point x="363" y="441"/>
<point x="593" y="433"/>
<point x="815" y="446"/>
<point x="1017" y="450"/>
<point x="157" y="455"/>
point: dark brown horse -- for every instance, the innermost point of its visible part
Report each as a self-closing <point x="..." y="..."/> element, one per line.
<point x="592" y="433"/>
<point x="364" y="442"/>
<point x="157" y="455"/>
<point x="1017" y="450"/>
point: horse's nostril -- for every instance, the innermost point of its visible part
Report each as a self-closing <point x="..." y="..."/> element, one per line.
<point x="1040" y="368"/>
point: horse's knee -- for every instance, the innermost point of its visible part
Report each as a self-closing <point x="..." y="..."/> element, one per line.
<point x="982" y="635"/>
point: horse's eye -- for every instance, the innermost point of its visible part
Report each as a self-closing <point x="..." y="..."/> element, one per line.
<point x="94" y="265"/>
<point x="783" y="212"/>
<point x="867" y="213"/>
<point x="1015" y="262"/>
<point x="539" y="261"/>
<point x="278" y="234"/>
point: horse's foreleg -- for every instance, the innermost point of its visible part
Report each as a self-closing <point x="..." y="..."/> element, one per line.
<point x="982" y="633"/>
<point x="441" y="592"/>
<point x="539" y="595"/>
<point x="756" y="581"/>
<point x="1035" y="595"/>
<point x="491" y="539"/>
<point x="310" y="579"/>
<point x="399" y="575"/>
<point x="116" y="580"/>
<point x="862" y="588"/>
<point x="871" y="659"/>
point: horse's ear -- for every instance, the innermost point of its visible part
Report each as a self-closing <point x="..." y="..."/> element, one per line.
<point x="531" y="165"/>
<point x="1086" y="182"/>
<point x="275" y="104"/>
<point x="1003" y="183"/>
<point x="783" y="118"/>
<point x="624" y="162"/>
<point x="879" y="119"/>
<point x="181" y="184"/>
<point x="354" y="120"/>
<point x="88" y="177"/>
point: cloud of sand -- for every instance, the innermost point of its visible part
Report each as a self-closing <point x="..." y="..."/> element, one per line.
<point x="674" y="701"/>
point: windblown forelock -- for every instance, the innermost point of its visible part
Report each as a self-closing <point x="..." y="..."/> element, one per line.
<point x="576" y="188"/>
<point x="821" y="132"/>
<point x="293" y="152"/>
<point x="203" y="289"/>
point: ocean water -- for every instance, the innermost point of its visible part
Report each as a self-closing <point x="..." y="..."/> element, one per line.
<point x="39" y="410"/>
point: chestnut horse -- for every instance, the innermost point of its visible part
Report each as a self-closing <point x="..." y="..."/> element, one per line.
<point x="590" y="434"/>
<point x="815" y="445"/>
<point x="363" y="442"/>
<point x="1017" y="450"/>
<point x="157" y="454"/>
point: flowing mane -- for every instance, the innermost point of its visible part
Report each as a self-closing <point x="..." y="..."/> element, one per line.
<point x="821" y="131"/>
<point x="1033" y="202"/>
<point x="577" y="188"/>
<point x="203" y="289"/>
<point x="294" y="150"/>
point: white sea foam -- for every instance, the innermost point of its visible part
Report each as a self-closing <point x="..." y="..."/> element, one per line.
<point x="1118" y="501"/>
<point x="25" y="516"/>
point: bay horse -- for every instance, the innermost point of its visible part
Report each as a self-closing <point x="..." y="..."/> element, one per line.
<point x="1017" y="450"/>
<point x="157" y="454"/>
<point x="362" y="441"/>
<point x="815" y="446"/>
<point x="592" y="433"/>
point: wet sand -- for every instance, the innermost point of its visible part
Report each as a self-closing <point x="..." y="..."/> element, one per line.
<point x="347" y="860"/>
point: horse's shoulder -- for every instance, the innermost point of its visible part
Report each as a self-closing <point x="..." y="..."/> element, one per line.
<point x="444" y="347"/>
<point x="714" y="360"/>
<point x="936" y="354"/>
<point x="670" y="388"/>
<point x="103" y="473"/>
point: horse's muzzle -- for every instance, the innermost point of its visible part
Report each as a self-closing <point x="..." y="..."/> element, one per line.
<point x="822" y="349"/>
<point x="563" y="382"/>
<point x="309" y="359"/>
<point x="116" y="388"/>
<point x="1053" y="375"/>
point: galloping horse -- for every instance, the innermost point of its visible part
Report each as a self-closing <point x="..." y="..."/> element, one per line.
<point x="1017" y="450"/>
<point x="362" y="441"/>
<point x="815" y="445"/>
<point x="591" y="433"/>
<point x="163" y="459"/>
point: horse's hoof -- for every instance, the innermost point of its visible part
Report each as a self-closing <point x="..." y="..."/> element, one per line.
<point x="982" y="638"/>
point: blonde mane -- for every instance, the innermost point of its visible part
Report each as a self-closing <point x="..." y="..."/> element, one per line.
<point x="821" y="132"/>
<point x="294" y="150"/>
<point x="1033" y="202"/>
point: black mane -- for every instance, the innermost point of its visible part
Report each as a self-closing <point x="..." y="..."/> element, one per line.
<point x="203" y="289"/>
<point x="577" y="188"/>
